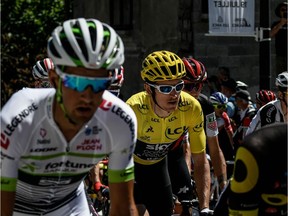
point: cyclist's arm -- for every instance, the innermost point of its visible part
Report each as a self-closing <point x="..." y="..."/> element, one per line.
<point x="122" y="205"/>
<point x="187" y="153"/>
<point x="201" y="165"/>
<point x="7" y="203"/>
<point x="277" y="26"/>
<point x="11" y="150"/>
<point x="218" y="160"/>
<point x="202" y="178"/>
<point x="95" y="173"/>
<point x="121" y="166"/>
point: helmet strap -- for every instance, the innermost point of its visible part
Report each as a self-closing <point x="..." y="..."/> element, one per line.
<point x="59" y="99"/>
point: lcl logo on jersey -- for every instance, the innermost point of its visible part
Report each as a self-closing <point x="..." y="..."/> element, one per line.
<point x="172" y="119"/>
<point x="198" y="127"/>
<point x="144" y="109"/>
<point x="170" y="133"/>
<point x="184" y="106"/>
<point x="155" y="120"/>
<point x="4" y="141"/>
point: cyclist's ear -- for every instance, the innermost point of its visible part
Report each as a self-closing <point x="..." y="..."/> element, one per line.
<point x="147" y="88"/>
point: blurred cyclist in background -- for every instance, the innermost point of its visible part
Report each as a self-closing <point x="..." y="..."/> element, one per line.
<point x="274" y="111"/>
<point x="225" y="129"/>
<point x="196" y="76"/>
<point x="263" y="97"/>
<point x="40" y="73"/>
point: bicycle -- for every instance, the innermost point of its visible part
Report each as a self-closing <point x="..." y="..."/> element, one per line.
<point x="99" y="202"/>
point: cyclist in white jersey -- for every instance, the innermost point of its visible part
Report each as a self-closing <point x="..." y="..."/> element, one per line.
<point x="50" y="138"/>
<point x="274" y="111"/>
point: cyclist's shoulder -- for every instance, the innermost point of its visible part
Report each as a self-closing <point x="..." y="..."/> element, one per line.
<point x="31" y="94"/>
<point x="114" y="102"/>
<point x="115" y="113"/>
<point x="203" y="98"/>
<point x="26" y="101"/>
<point x="140" y="98"/>
<point x="269" y="108"/>
<point x="188" y="102"/>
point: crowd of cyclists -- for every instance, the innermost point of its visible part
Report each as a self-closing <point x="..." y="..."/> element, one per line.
<point x="162" y="143"/>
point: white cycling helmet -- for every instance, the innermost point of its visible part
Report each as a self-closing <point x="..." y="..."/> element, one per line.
<point x="41" y="68"/>
<point x="241" y="85"/>
<point x="86" y="43"/>
<point x="282" y="80"/>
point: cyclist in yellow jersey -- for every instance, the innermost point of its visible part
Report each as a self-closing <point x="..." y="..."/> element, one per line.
<point x="164" y="113"/>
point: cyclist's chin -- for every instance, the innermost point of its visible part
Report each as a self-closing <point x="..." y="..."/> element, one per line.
<point x="82" y="117"/>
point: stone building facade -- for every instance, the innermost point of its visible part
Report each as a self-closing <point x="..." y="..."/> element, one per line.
<point x="178" y="26"/>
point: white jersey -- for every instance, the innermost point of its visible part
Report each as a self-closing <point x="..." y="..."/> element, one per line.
<point x="45" y="170"/>
<point x="268" y="114"/>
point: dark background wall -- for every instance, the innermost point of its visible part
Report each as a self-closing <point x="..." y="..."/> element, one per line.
<point x="178" y="26"/>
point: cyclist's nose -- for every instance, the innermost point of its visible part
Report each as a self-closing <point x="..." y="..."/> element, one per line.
<point x="87" y="95"/>
<point x="173" y="93"/>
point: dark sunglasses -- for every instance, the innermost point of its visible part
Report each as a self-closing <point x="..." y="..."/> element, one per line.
<point x="167" y="89"/>
<point x="189" y="87"/>
<point x="220" y="106"/>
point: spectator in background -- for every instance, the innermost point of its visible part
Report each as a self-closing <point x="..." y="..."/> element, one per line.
<point x="225" y="135"/>
<point x="247" y="112"/>
<point x="214" y="82"/>
<point x="241" y="85"/>
<point x="279" y="32"/>
<point x="228" y="88"/>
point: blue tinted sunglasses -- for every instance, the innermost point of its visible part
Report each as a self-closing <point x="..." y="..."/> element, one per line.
<point x="167" y="89"/>
<point x="80" y="83"/>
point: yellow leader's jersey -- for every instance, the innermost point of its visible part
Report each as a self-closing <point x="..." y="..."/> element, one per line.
<point x="157" y="136"/>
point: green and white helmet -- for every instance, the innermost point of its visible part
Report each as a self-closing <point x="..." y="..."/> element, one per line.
<point x="86" y="43"/>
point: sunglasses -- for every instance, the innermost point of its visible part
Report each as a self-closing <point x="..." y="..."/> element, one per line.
<point x="167" y="89"/>
<point x="80" y="83"/>
<point x="220" y="106"/>
<point x="192" y="86"/>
